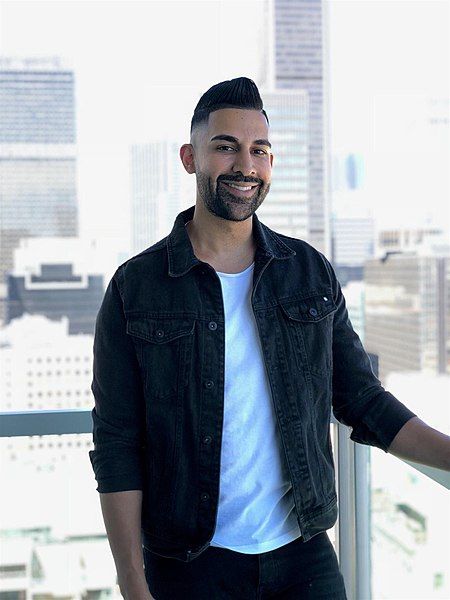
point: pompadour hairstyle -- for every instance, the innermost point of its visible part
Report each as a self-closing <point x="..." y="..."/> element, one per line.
<point x="241" y="92"/>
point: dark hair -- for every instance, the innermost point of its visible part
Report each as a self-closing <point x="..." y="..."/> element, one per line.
<point x="241" y="92"/>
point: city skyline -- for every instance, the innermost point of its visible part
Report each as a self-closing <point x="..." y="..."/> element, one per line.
<point x="120" y="91"/>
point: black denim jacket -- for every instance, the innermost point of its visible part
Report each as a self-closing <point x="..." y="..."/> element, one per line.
<point x="158" y="383"/>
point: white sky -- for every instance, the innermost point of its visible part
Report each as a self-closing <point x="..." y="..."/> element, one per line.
<point x="388" y="59"/>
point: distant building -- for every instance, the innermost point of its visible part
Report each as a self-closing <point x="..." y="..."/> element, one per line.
<point x="352" y="235"/>
<point x="355" y="300"/>
<point x="160" y="189"/>
<point x="37" y="155"/>
<point x="407" y="312"/>
<point x="298" y="31"/>
<point x="43" y="367"/>
<point x="285" y="208"/>
<point x="347" y="172"/>
<point x="56" y="277"/>
<point x="399" y="240"/>
<point x="353" y="239"/>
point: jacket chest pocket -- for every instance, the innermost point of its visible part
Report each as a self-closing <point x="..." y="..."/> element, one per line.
<point x="164" y="347"/>
<point x="310" y="323"/>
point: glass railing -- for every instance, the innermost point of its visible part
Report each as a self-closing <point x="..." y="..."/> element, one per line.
<point x="53" y="537"/>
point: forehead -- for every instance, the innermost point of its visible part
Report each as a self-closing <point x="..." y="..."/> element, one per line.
<point x="238" y="122"/>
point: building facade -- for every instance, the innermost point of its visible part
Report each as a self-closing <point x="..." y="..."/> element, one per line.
<point x="37" y="155"/>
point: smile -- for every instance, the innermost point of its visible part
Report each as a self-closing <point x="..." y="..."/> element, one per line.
<point x="243" y="189"/>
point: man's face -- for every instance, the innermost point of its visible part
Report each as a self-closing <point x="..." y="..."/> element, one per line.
<point x="245" y="160"/>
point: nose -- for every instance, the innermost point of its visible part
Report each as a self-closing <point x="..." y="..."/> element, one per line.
<point x="244" y="164"/>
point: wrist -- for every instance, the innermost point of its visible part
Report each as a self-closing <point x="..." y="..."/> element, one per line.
<point x="132" y="583"/>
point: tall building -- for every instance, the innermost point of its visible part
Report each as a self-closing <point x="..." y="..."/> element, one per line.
<point x="37" y="155"/>
<point x="353" y="238"/>
<point x="353" y="230"/>
<point x="298" y="64"/>
<point x="407" y="312"/>
<point x="347" y="172"/>
<point x="286" y="207"/>
<point x="159" y="191"/>
<point x="56" y="277"/>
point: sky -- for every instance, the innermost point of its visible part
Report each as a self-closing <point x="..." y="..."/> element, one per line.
<point x="140" y="68"/>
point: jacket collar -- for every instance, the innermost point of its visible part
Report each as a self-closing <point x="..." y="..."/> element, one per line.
<point x="181" y="255"/>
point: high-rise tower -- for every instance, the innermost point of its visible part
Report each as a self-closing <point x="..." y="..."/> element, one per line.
<point x="37" y="155"/>
<point x="298" y="51"/>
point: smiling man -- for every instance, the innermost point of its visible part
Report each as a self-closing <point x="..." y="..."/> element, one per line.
<point x="219" y="353"/>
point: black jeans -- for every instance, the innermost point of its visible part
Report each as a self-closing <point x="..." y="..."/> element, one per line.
<point x="298" y="570"/>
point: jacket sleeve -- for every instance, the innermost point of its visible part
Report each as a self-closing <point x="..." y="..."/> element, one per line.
<point x="119" y="413"/>
<point x="359" y="400"/>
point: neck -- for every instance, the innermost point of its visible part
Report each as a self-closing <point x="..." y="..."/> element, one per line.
<point x="215" y="239"/>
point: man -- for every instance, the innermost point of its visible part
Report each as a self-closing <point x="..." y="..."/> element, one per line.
<point x="218" y="355"/>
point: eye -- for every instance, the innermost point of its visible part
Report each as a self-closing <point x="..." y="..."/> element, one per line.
<point x="231" y="147"/>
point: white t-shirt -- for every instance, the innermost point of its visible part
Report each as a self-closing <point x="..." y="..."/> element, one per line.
<point x="256" y="511"/>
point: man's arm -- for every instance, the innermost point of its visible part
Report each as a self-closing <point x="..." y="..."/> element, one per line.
<point x="122" y="517"/>
<point x="118" y="458"/>
<point x="418" y="442"/>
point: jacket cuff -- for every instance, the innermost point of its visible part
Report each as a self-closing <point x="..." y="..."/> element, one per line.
<point x="382" y="421"/>
<point x="120" y="483"/>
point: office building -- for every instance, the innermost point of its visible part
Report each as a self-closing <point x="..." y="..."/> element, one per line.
<point x="285" y="208"/>
<point x="407" y="311"/>
<point x="160" y="189"/>
<point x="57" y="277"/>
<point x="37" y="155"/>
<point x="299" y="63"/>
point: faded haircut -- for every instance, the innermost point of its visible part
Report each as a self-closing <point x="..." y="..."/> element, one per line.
<point x="241" y="92"/>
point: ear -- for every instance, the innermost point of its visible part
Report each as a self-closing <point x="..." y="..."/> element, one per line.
<point x="271" y="160"/>
<point x="187" y="157"/>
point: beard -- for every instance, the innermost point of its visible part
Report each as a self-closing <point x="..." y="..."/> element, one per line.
<point x="226" y="205"/>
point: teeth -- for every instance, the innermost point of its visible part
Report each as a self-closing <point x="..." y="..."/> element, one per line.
<point x="239" y="187"/>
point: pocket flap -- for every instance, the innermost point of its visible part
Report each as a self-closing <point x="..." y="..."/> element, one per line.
<point x="159" y="331"/>
<point x="310" y="310"/>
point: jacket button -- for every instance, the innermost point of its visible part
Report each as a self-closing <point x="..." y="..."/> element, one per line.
<point x="207" y="439"/>
<point x="159" y="333"/>
<point x="204" y="497"/>
<point x="212" y="325"/>
<point x="209" y="384"/>
<point x="313" y="312"/>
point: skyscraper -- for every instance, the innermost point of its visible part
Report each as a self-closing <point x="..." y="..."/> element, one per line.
<point x="286" y="207"/>
<point x="407" y="314"/>
<point x="37" y="155"/>
<point x="159" y="191"/>
<point x="298" y="65"/>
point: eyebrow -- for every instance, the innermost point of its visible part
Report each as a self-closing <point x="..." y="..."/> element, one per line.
<point x="231" y="138"/>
